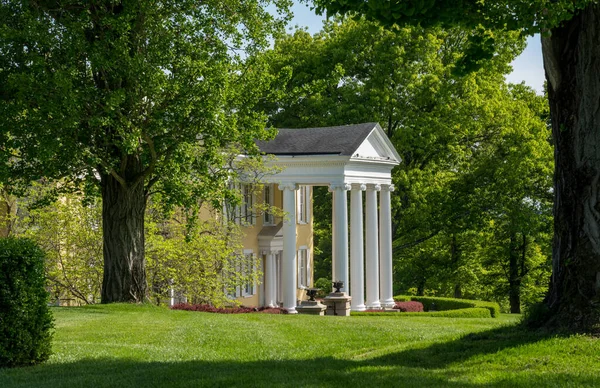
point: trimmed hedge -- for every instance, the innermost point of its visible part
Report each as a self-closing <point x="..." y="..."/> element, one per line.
<point x="474" y="312"/>
<point x="443" y="304"/>
<point x="25" y="320"/>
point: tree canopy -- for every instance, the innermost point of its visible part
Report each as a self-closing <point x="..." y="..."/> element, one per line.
<point x="458" y="137"/>
<point x="571" y="59"/>
<point x="127" y="99"/>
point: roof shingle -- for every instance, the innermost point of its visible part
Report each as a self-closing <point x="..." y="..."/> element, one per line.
<point x="340" y="140"/>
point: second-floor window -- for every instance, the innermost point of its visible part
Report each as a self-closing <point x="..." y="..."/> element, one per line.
<point x="243" y="213"/>
<point x="268" y="201"/>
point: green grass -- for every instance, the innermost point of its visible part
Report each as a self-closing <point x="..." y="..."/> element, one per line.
<point x="145" y="346"/>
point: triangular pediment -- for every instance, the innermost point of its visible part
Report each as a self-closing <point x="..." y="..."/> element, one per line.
<point x="376" y="146"/>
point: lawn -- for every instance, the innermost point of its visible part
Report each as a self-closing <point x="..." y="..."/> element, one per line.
<point x="145" y="346"/>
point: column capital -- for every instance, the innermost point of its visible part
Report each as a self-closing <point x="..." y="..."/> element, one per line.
<point x="374" y="187"/>
<point x="288" y="186"/>
<point x="339" y="186"/>
<point x="388" y="187"/>
<point x="359" y="186"/>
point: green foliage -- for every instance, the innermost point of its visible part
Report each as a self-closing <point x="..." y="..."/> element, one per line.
<point x="471" y="312"/>
<point x="204" y="262"/>
<point x="324" y="285"/>
<point x="477" y="164"/>
<point x="443" y="304"/>
<point x="70" y="232"/>
<point x="484" y="17"/>
<point x="128" y="99"/>
<point x="25" y="322"/>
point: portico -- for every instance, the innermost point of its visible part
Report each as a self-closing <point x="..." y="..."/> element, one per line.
<point x="357" y="159"/>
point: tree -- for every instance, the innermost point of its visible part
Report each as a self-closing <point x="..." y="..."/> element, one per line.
<point x="570" y="48"/>
<point x="452" y="133"/>
<point x="128" y="99"/>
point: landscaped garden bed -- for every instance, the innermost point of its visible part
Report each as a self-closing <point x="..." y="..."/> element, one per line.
<point x="205" y="308"/>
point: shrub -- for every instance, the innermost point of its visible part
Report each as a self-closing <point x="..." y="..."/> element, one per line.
<point x="205" y="308"/>
<point x="411" y="307"/>
<point x="26" y="321"/>
<point x="443" y="304"/>
<point x="475" y="312"/>
<point x="324" y="285"/>
<point x="402" y="298"/>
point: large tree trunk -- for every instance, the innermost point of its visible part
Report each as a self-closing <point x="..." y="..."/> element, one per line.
<point x="572" y="63"/>
<point x="123" y="210"/>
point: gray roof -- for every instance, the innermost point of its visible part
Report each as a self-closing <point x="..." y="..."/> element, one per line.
<point x="340" y="140"/>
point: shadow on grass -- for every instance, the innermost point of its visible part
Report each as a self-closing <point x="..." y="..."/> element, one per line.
<point x="430" y="366"/>
<point x="442" y="354"/>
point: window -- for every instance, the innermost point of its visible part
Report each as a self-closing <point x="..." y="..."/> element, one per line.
<point x="247" y="270"/>
<point x="303" y="202"/>
<point x="243" y="214"/>
<point x="303" y="268"/>
<point x="247" y="205"/>
<point x="268" y="218"/>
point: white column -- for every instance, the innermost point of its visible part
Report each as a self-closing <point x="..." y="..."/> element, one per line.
<point x="340" y="237"/>
<point x="334" y="275"/>
<point x="270" y="280"/>
<point x="289" y="247"/>
<point x="372" y="251"/>
<point x="357" y="248"/>
<point x="385" y="246"/>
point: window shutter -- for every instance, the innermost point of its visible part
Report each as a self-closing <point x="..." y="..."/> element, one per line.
<point x="298" y="267"/>
<point x="254" y="272"/>
<point x="251" y="207"/>
<point x="298" y="207"/>
<point x="308" y="203"/>
<point x="308" y="269"/>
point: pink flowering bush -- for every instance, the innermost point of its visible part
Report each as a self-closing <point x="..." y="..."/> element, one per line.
<point x="205" y="308"/>
<point x="409" y="307"/>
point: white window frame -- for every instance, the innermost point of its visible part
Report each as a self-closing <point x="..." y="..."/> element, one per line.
<point x="303" y="197"/>
<point x="268" y="199"/>
<point x="304" y="270"/>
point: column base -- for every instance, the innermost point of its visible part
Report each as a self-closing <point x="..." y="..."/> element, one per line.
<point x="388" y="303"/>
<point x="291" y="310"/>
<point x="374" y="306"/>
<point x="361" y="307"/>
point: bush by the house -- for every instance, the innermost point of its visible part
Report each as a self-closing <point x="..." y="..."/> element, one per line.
<point x="25" y="320"/>
<point x="409" y="307"/>
<point x="205" y="308"/>
<point x="460" y="313"/>
<point x="443" y="304"/>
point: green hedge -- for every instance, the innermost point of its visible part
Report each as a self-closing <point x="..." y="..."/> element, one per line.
<point x="25" y="320"/>
<point x="473" y="312"/>
<point x="443" y="304"/>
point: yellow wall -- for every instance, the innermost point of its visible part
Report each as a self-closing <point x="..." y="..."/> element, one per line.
<point x="304" y="238"/>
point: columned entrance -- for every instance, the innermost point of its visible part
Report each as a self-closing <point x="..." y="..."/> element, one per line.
<point x="356" y="159"/>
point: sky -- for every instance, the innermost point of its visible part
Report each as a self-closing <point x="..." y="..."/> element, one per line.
<point x="527" y="67"/>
